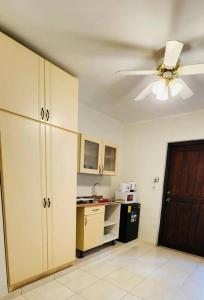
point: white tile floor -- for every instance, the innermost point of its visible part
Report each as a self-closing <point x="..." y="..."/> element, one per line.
<point x="132" y="271"/>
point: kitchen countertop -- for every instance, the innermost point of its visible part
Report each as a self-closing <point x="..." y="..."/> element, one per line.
<point x="97" y="203"/>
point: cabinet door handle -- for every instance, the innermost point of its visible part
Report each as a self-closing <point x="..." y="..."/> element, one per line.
<point x="48" y="202"/>
<point x="42" y="113"/>
<point x="102" y="168"/>
<point x="44" y="203"/>
<point x="85" y="221"/>
<point x="47" y="115"/>
<point x="99" y="169"/>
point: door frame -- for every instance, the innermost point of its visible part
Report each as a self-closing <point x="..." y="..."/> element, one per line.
<point x="170" y="146"/>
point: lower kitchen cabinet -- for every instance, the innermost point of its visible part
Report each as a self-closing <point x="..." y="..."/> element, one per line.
<point x="38" y="177"/>
<point x="96" y="225"/>
<point x="90" y="226"/>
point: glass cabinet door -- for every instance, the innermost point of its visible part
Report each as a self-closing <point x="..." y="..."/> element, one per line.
<point x="90" y="155"/>
<point x="109" y="159"/>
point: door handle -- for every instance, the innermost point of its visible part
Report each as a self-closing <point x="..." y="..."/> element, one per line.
<point x="168" y="200"/>
<point x="44" y="203"/>
<point x="48" y="202"/>
<point x="47" y="115"/>
<point x="42" y="113"/>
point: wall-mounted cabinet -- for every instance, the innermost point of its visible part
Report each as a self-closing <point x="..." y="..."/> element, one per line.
<point x="33" y="87"/>
<point x="96" y="156"/>
<point x="21" y="79"/>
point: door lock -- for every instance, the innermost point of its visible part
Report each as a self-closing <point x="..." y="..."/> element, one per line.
<point x="168" y="200"/>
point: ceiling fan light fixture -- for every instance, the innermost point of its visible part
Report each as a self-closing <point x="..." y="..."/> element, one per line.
<point x="159" y="86"/>
<point x="164" y="95"/>
<point x="175" y="87"/>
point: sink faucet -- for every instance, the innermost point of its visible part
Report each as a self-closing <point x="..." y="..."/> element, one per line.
<point x="94" y="189"/>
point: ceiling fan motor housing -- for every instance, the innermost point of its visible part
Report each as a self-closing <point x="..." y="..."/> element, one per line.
<point x="166" y="72"/>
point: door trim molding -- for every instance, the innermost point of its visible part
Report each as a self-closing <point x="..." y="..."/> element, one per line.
<point x="170" y="146"/>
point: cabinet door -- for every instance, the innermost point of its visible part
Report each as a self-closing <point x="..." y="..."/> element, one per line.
<point x="93" y="230"/>
<point x="109" y="159"/>
<point x="90" y="155"/>
<point x="21" y="79"/>
<point x="23" y="176"/>
<point x="61" y="190"/>
<point x="61" y="96"/>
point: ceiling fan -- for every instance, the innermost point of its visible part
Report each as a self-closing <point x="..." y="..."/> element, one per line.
<point x="169" y="71"/>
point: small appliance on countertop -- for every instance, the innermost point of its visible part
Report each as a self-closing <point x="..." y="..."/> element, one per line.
<point x="126" y="193"/>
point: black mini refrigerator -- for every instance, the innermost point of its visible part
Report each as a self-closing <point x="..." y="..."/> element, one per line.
<point x="129" y="222"/>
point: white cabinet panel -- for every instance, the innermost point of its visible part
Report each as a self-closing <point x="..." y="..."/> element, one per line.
<point x="61" y="97"/>
<point x="61" y="190"/>
<point x="21" y="79"/>
<point x="23" y="174"/>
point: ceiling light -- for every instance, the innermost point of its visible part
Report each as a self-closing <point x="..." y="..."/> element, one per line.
<point x="164" y="95"/>
<point x="175" y="87"/>
<point x="159" y="86"/>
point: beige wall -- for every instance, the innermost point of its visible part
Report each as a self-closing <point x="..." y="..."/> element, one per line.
<point x="145" y="158"/>
<point x="96" y="124"/>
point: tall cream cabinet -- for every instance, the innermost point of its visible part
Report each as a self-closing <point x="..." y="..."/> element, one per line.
<point x="61" y="94"/>
<point x="21" y="79"/>
<point x="38" y="163"/>
<point x="33" y="87"/>
<point x="61" y="161"/>
<point x="24" y="188"/>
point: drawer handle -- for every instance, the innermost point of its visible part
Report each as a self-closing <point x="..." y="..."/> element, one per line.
<point x="96" y="209"/>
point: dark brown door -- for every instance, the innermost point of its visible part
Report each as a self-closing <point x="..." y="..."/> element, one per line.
<point x="182" y="219"/>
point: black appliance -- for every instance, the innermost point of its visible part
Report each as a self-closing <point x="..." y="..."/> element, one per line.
<point x="129" y="222"/>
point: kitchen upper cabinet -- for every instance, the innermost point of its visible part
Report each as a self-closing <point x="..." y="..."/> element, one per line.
<point x="61" y="150"/>
<point x="21" y="79"/>
<point x="23" y="177"/>
<point x="96" y="156"/>
<point x="90" y="155"/>
<point x="109" y="158"/>
<point x="61" y="97"/>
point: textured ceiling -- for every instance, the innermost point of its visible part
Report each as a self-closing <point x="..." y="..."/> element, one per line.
<point x="93" y="39"/>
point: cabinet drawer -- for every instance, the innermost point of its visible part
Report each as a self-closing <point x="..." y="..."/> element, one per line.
<point x="91" y="210"/>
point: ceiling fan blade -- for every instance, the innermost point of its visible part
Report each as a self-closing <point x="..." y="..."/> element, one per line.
<point x="132" y="72"/>
<point x="144" y="92"/>
<point x="172" y="53"/>
<point x="192" y="69"/>
<point x="186" y="92"/>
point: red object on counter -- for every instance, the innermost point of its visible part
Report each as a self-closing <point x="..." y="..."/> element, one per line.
<point x="104" y="200"/>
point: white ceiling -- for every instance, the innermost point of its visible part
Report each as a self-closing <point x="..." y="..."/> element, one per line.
<point x="93" y="39"/>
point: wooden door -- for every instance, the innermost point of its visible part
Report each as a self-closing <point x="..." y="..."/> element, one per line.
<point x="182" y="221"/>
<point x="93" y="230"/>
<point x="61" y="153"/>
<point x="21" y="79"/>
<point x="23" y="177"/>
<point x="61" y="96"/>
<point x="109" y="158"/>
<point x="90" y="155"/>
